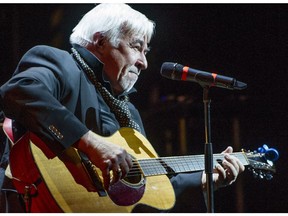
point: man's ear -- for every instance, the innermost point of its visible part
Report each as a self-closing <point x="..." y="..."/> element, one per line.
<point x="98" y="40"/>
<point x="97" y="46"/>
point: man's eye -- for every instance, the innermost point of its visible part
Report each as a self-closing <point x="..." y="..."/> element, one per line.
<point x="135" y="46"/>
<point x="138" y="47"/>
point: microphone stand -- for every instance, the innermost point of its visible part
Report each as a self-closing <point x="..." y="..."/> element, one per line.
<point x="208" y="151"/>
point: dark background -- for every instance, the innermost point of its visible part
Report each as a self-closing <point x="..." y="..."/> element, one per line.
<point x="245" y="41"/>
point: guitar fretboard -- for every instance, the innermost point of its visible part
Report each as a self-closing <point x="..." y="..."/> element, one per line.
<point x="181" y="164"/>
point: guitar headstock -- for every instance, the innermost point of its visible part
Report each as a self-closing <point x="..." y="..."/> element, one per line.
<point x="261" y="162"/>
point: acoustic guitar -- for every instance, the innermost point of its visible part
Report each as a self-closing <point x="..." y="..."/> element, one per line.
<point x="71" y="183"/>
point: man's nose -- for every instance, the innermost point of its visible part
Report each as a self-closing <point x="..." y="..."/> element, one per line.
<point x="142" y="63"/>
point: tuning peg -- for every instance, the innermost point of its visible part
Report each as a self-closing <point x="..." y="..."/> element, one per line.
<point x="268" y="176"/>
<point x="271" y="154"/>
<point x="255" y="174"/>
<point x="261" y="176"/>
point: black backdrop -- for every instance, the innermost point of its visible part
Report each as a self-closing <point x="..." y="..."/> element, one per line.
<point x="245" y="41"/>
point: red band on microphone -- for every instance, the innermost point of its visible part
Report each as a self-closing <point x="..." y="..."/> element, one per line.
<point x="214" y="77"/>
<point x="185" y="72"/>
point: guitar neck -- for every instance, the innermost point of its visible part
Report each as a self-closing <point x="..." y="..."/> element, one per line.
<point x="181" y="164"/>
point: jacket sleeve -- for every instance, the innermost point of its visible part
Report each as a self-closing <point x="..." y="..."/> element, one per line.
<point x="189" y="194"/>
<point x="45" y="80"/>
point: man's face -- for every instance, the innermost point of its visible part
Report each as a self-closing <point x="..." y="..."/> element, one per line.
<point x="123" y="64"/>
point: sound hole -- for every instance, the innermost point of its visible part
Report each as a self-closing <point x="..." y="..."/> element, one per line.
<point x="135" y="175"/>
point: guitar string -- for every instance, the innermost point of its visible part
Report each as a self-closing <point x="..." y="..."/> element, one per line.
<point x="174" y="161"/>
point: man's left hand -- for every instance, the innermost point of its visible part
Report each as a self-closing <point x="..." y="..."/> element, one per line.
<point x="226" y="173"/>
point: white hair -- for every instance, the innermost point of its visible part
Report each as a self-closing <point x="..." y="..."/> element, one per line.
<point x="113" y="21"/>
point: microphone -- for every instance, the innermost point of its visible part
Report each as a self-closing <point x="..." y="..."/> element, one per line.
<point x="177" y="71"/>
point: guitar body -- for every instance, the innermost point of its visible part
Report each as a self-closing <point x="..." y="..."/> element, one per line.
<point x="57" y="185"/>
<point x="27" y="176"/>
<point x="71" y="183"/>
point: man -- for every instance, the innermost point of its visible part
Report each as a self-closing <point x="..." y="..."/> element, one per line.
<point x="69" y="100"/>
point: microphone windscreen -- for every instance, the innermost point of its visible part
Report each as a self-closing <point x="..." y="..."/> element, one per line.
<point x="167" y="68"/>
<point x="171" y="70"/>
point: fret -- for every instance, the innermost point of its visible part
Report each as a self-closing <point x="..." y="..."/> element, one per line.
<point x="152" y="167"/>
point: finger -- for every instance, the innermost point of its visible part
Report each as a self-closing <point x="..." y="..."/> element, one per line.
<point x="106" y="178"/>
<point x="117" y="174"/>
<point x="236" y="163"/>
<point x="124" y="169"/>
<point x="220" y="178"/>
<point x="226" y="178"/>
<point x="229" y="149"/>
<point x="116" y="169"/>
<point x="126" y="165"/>
<point x="129" y="161"/>
<point x="106" y="174"/>
<point x="231" y="171"/>
<point x="221" y="172"/>
<point x="240" y="165"/>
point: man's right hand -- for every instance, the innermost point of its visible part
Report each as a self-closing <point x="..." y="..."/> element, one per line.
<point x="106" y="156"/>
